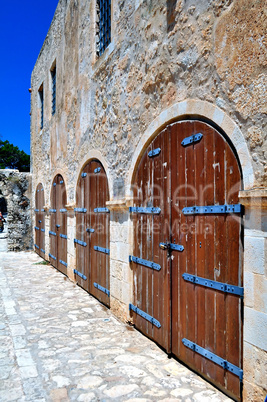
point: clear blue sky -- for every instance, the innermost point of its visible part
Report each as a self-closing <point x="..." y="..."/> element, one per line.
<point x="23" y="28"/>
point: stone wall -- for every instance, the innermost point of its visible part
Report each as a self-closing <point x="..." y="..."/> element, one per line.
<point x="168" y="60"/>
<point x="16" y="189"/>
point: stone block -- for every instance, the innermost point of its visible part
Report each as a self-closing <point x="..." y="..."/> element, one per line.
<point x="255" y="328"/>
<point x="260" y="365"/>
<point x="260" y="293"/>
<point x="115" y="288"/>
<point x="249" y="289"/>
<point x="254" y="255"/>
<point x="126" y="293"/>
<point x="253" y="393"/>
<point x="116" y="269"/>
<point x="248" y="362"/>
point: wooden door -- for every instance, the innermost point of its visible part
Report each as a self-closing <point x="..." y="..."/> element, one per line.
<point x="188" y="306"/>
<point x="39" y="221"/>
<point x="58" y="225"/>
<point x="92" y="232"/>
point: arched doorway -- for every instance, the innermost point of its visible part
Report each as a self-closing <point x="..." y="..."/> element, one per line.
<point x="92" y="232"/>
<point x="58" y="225"/>
<point x="39" y="221"/>
<point x="187" y="256"/>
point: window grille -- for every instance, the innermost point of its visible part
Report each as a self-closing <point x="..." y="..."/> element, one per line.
<point x="41" y="95"/>
<point x="54" y="80"/>
<point x="104" y="25"/>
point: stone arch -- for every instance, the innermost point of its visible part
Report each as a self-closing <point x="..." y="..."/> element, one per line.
<point x="201" y="110"/>
<point x="95" y="154"/>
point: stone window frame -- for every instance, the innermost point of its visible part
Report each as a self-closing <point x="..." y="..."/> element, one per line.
<point x="53" y="86"/>
<point x="41" y="106"/>
<point x="98" y="59"/>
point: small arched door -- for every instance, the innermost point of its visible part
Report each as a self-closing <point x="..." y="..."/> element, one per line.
<point x="39" y="221"/>
<point x="58" y="225"/>
<point x="92" y="232"/>
<point x="187" y="257"/>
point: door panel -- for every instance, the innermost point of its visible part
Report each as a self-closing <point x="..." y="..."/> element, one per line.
<point x="203" y="173"/>
<point x="58" y="225"/>
<point x="93" y="230"/>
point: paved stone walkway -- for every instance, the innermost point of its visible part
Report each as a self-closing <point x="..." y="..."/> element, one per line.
<point x="57" y="343"/>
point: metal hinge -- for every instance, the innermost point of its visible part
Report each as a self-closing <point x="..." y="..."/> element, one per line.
<point x="155" y="152"/>
<point x="42" y="210"/>
<point x="58" y="226"/>
<point x="63" y="263"/>
<point x="171" y="246"/>
<point x="36" y="228"/>
<point x="97" y="170"/>
<point x="146" y="263"/>
<point x="101" y="249"/>
<point x="101" y="210"/>
<point x="144" y="315"/>
<point x="81" y="243"/>
<point x="84" y="175"/>
<point x="216" y="359"/>
<point x="192" y="139"/>
<point x="36" y="210"/>
<point x="43" y="230"/>
<point x="224" y="287"/>
<point x="52" y="210"/>
<point x="52" y="256"/>
<point x="52" y="233"/>
<point x="63" y="210"/>
<point x="61" y="182"/>
<point x="213" y="209"/>
<point x="89" y="230"/>
<point x="143" y="210"/>
<point x="54" y="184"/>
<point x="63" y="236"/>
<point x="80" y="274"/>
<point x="80" y="210"/>
<point x="97" y="286"/>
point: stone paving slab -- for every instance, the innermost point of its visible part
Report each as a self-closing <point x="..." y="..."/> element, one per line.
<point x="58" y="343"/>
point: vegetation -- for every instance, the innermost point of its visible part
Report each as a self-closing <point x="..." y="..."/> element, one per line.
<point x="11" y="157"/>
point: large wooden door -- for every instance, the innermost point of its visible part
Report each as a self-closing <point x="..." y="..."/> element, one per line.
<point x="92" y="232"/>
<point x="187" y="257"/>
<point x="39" y="221"/>
<point x="58" y="225"/>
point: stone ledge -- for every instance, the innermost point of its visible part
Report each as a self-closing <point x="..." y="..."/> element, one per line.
<point x="254" y="199"/>
<point x="117" y="205"/>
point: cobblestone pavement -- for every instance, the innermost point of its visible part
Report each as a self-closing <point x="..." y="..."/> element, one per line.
<point x="57" y="343"/>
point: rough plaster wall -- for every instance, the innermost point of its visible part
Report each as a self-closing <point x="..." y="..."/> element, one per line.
<point x="16" y="188"/>
<point x="164" y="52"/>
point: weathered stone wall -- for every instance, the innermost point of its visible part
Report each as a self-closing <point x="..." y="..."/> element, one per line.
<point x="168" y="60"/>
<point x="16" y="189"/>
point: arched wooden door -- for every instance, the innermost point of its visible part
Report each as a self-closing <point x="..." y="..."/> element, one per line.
<point x="58" y="225"/>
<point x="39" y="221"/>
<point x="187" y="257"/>
<point x="92" y="232"/>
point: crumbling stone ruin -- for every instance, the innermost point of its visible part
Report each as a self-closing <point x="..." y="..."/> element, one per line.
<point x="148" y="120"/>
<point x="15" y="198"/>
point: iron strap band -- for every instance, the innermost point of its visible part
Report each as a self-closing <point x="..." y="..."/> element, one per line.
<point x="101" y="249"/>
<point x="154" y="152"/>
<point x="213" y="209"/>
<point x="52" y="210"/>
<point x="81" y="243"/>
<point x="144" y="315"/>
<point x="43" y="251"/>
<point x="97" y="286"/>
<point x="80" y="274"/>
<point x="80" y="210"/>
<point x="63" y="263"/>
<point x="36" y="228"/>
<point x="99" y="210"/>
<point x="42" y="230"/>
<point x="216" y="359"/>
<point x="97" y="170"/>
<point x="36" y="246"/>
<point x="52" y="256"/>
<point x="190" y="140"/>
<point x="63" y="236"/>
<point x="63" y="210"/>
<point x="143" y="210"/>
<point x="36" y="210"/>
<point x="224" y="287"/>
<point x="52" y="233"/>
<point x="146" y="263"/>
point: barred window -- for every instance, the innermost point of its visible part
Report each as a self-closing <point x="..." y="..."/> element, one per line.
<point x="54" y="81"/>
<point x="41" y="97"/>
<point x="103" y="9"/>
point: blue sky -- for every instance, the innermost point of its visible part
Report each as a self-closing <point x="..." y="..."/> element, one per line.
<point x="23" y="28"/>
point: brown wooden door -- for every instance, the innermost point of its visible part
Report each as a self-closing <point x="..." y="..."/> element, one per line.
<point x="58" y="225"/>
<point x="39" y="221"/>
<point x="92" y="232"/>
<point x="200" y="251"/>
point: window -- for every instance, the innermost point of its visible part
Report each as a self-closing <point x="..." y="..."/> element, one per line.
<point x="54" y="82"/>
<point x="103" y="9"/>
<point x="41" y="97"/>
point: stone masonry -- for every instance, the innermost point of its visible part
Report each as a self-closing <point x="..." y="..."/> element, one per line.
<point x="168" y="60"/>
